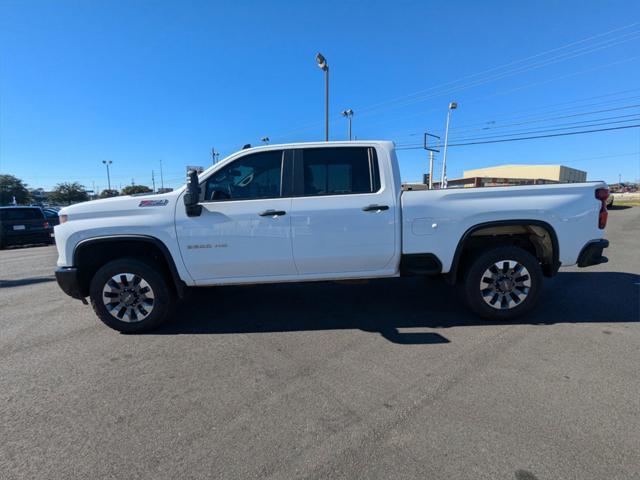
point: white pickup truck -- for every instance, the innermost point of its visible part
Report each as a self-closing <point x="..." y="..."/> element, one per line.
<point x="322" y="211"/>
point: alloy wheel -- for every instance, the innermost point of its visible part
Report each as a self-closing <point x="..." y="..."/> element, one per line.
<point x="128" y="297"/>
<point x="505" y="284"/>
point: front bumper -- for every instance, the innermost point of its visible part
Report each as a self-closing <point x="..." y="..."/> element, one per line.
<point x="67" y="278"/>
<point x="591" y="253"/>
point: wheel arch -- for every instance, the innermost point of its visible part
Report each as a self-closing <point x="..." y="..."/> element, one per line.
<point x="90" y="254"/>
<point x="546" y="247"/>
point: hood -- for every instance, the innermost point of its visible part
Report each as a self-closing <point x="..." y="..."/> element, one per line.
<point x="127" y="204"/>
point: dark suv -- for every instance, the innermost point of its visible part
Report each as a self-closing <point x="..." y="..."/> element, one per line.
<point x="23" y="225"/>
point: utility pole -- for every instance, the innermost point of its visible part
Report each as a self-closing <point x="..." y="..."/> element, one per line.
<point x="443" y="179"/>
<point x="324" y="66"/>
<point x="430" y="170"/>
<point x="214" y="156"/>
<point x="619" y="179"/>
<point x="161" y="176"/>
<point x="107" y="163"/>
<point x="153" y="180"/>
<point x="432" y="150"/>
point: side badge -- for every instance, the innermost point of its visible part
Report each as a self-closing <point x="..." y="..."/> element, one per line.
<point x="153" y="203"/>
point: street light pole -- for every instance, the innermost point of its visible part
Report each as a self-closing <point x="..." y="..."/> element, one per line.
<point x="443" y="181"/>
<point x="349" y="114"/>
<point x="430" y="170"/>
<point x="324" y="66"/>
<point x="107" y="163"/>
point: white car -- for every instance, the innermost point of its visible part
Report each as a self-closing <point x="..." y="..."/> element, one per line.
<point x="322" y="211"/>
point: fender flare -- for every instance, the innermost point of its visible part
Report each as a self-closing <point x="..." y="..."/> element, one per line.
<point x="549" y="270"/>
<point x="178" y="282"/>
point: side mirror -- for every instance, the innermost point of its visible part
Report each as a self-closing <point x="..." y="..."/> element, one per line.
<point x="192" y="195"/>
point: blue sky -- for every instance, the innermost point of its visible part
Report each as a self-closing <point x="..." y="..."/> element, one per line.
<point x="139" y="82"/>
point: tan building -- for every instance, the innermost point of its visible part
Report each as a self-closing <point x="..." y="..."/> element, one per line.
<point x="504" y="175"/>
<point x="554" y="173"/>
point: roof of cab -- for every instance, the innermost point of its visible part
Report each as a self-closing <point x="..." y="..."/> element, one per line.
<point x="340" y="143"/>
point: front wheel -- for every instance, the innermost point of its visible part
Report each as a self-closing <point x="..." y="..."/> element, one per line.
<point x="131" y="296"/>
<point x="503" y="283"/>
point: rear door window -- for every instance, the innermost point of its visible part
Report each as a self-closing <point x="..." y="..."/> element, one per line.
<point x="339" y="171"/>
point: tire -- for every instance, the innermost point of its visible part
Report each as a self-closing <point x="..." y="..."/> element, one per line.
<point x="498" y="293"/>
<point x="131" y="296"/>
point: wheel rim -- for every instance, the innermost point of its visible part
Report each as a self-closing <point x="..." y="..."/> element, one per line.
<point x="128" y="297"/>
<point x="505" y="284"/>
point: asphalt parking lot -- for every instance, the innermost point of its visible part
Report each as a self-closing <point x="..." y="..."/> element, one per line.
<point x="386" y="379"/>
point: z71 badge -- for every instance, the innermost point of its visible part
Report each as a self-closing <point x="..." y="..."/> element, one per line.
<point x="153" y="203"/>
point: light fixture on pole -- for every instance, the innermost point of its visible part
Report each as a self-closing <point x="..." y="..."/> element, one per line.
<point x="324" y="66"/>
<point x="348" y="113"/>
<point x="107" y="163"/>
<point x="265" y="140"/>
<point x="443" y="178"/>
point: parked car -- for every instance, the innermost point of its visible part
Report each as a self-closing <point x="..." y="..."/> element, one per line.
<point x="51" y="213"/>
<point x="322" y="211"/>
<point x="24" y="225"/>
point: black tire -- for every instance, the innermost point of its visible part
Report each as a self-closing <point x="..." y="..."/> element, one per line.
<point x="503" y="293"/>
<point x="133" y="320"/>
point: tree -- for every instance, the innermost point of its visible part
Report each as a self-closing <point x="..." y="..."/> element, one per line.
<point x="11" y="187"/>
<point x="133" y="189"/>
<point x="106" y="193"/>
<point x="68" y="192"/>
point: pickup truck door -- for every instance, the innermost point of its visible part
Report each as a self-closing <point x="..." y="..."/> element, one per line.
<point x="342" y="215"/>
<point x="244" y="229"/>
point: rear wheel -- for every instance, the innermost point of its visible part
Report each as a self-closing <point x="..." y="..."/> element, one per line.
<point x="131" y="296"/>
<point x="503" y="283"/>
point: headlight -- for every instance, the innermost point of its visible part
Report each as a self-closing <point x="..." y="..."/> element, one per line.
<point x="63" y="219"/>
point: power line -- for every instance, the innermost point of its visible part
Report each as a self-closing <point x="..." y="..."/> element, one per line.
<point x="419" y="97"/>
<point x="580" y="124"/>
<point x="411" y="98"/>
<point x="559" y="117"/>
<point x="557" y="127"/>
<point x="518" y="113"/>
<point x="529" y="138"/>
<point x="515" y="62"/>
<point x="504" y="92"/>
<point x="537" y="118"/>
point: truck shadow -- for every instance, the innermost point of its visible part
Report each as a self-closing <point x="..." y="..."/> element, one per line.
<point x="385" y="306"/>
<point x="25" y="281"/>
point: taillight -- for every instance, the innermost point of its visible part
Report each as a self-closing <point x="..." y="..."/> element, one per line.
<point x="602" y="194"/>
<point x="45" y="225"/>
